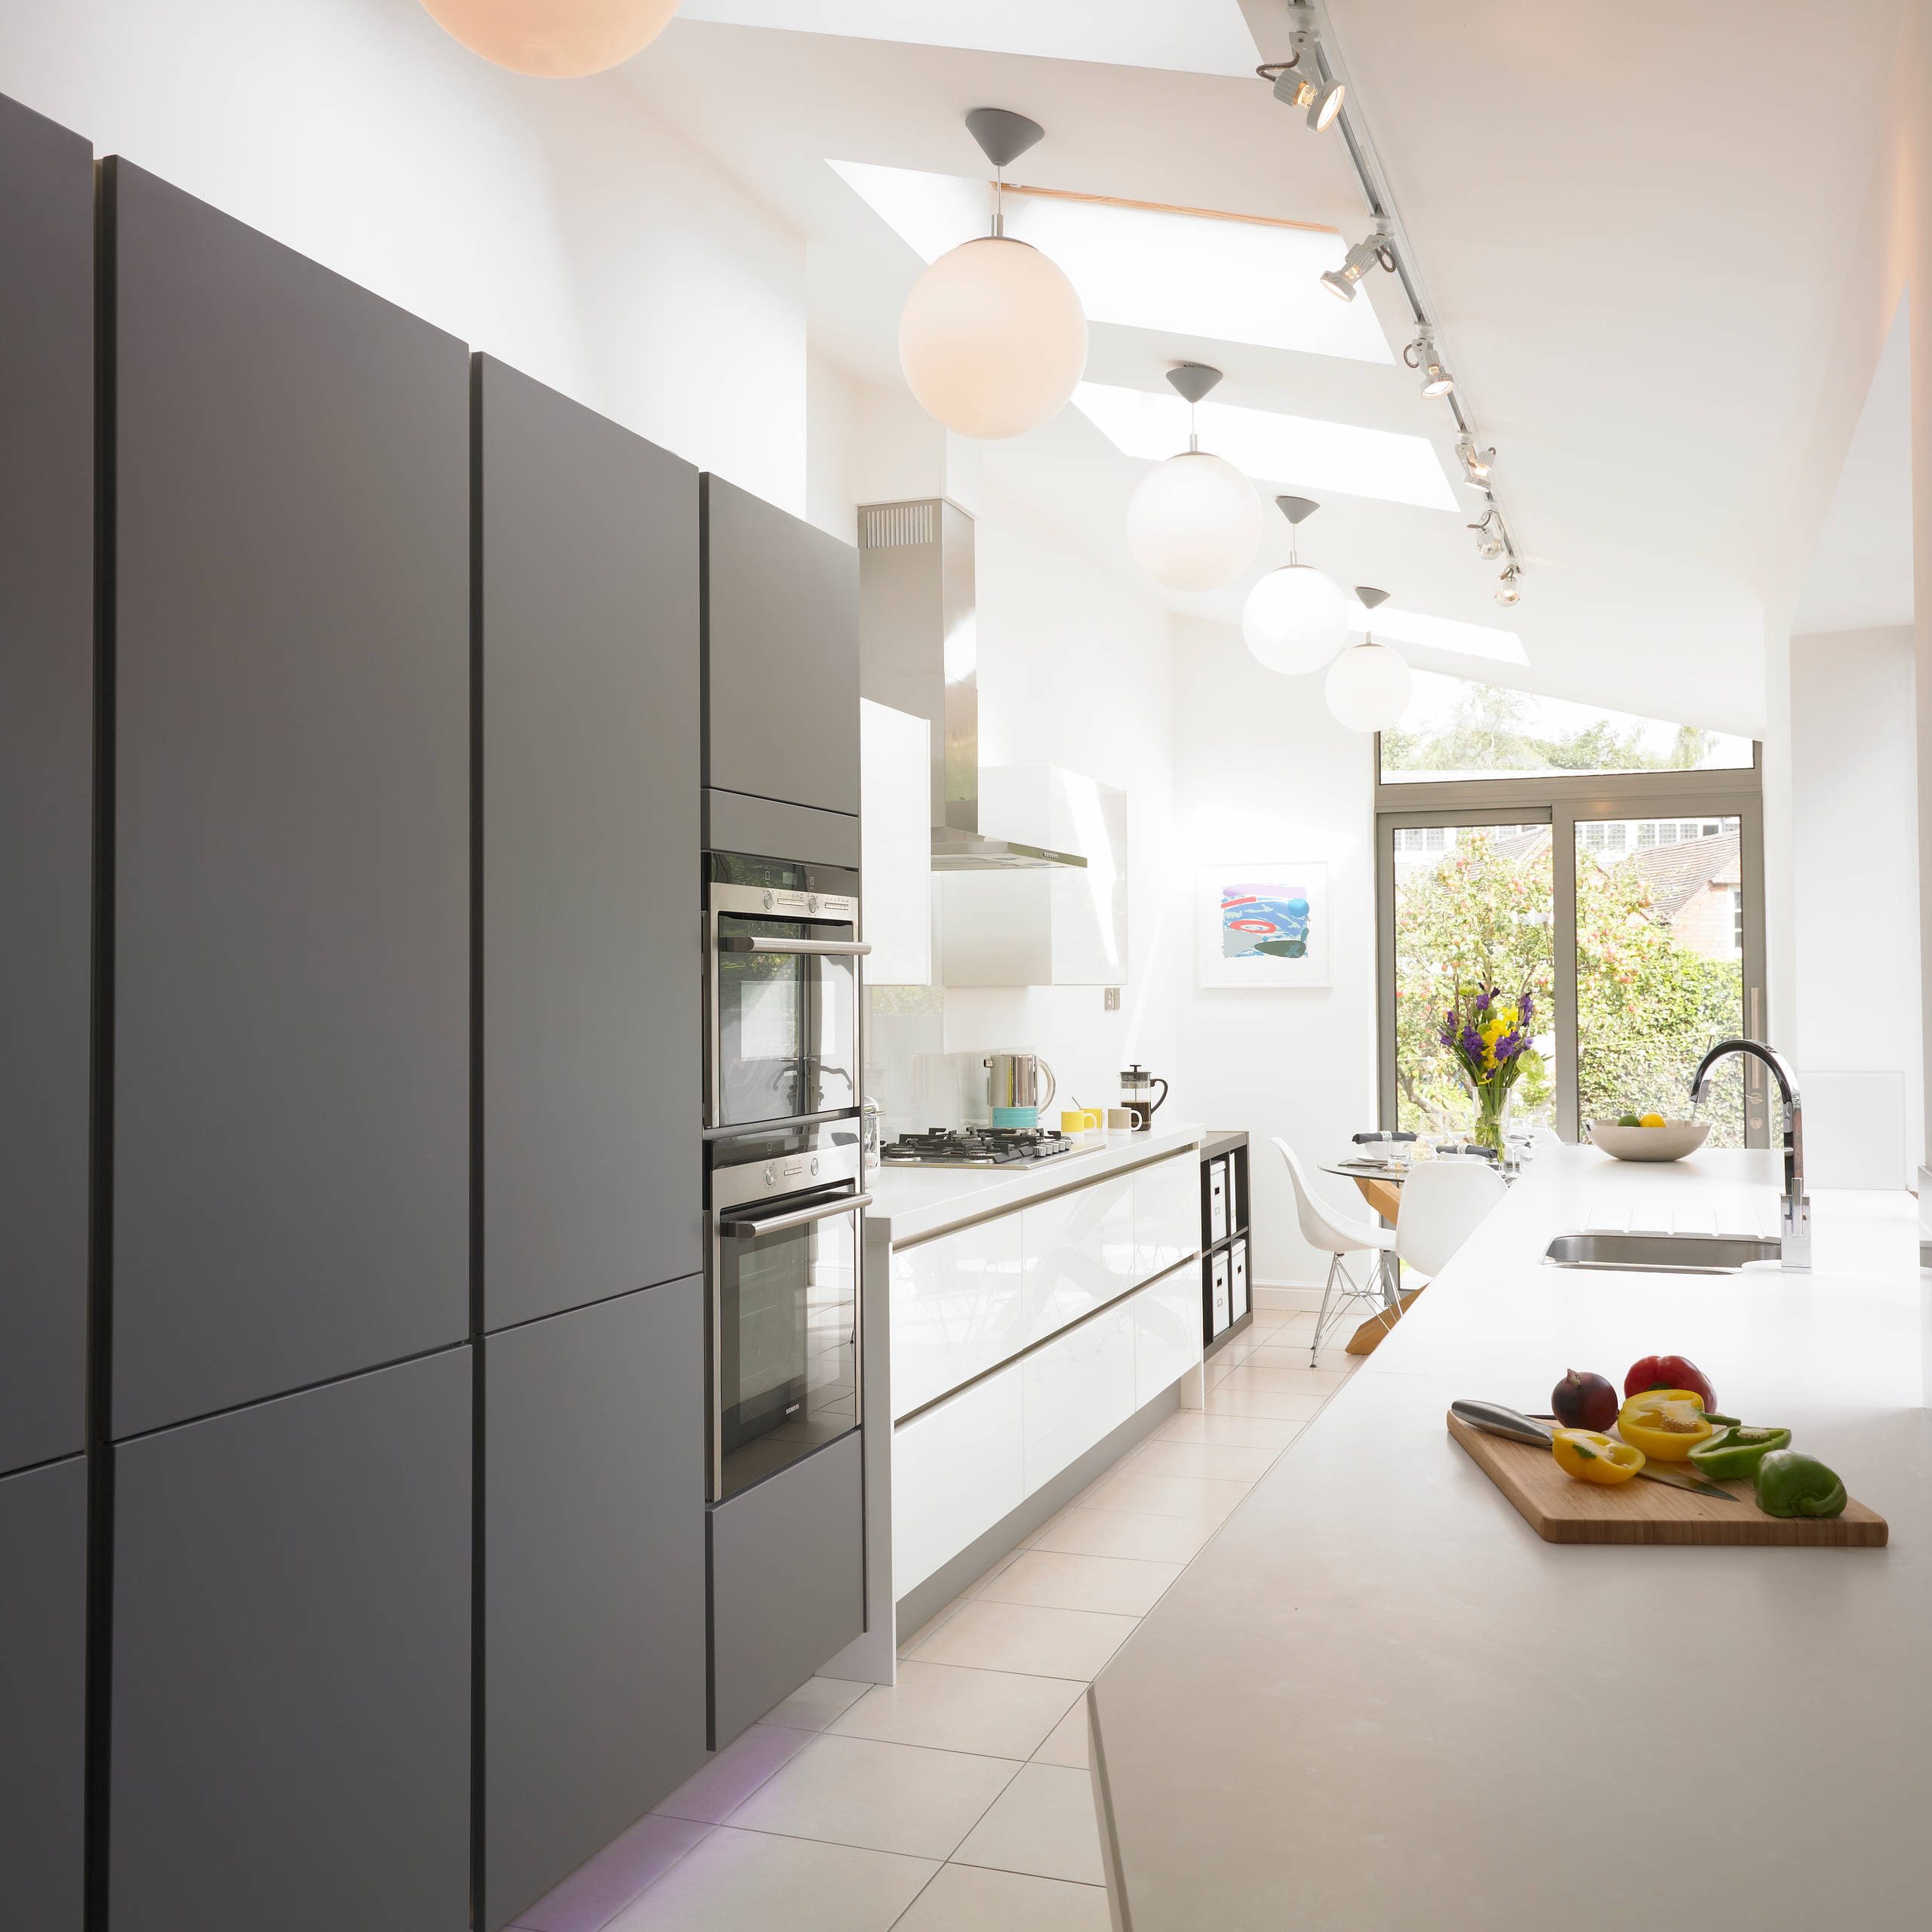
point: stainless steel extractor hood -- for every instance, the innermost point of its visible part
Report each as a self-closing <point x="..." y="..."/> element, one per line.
<point x="917" y="653"/>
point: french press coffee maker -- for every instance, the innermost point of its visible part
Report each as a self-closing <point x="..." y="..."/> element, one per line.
<point x="1136" y="1092"/>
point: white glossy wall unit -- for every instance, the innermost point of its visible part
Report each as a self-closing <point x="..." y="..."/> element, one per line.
<point x="895" y="844"/>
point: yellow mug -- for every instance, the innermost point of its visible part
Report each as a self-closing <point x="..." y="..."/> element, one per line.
<point x="1086" y="1121"/>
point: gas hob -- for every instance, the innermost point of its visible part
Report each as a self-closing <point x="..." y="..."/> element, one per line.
<point x="976" y="1147"/>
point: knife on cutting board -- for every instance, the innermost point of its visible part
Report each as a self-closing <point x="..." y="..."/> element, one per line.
<point x="1493" y="1419"/>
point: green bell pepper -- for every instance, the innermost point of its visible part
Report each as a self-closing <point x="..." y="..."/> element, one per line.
<point x="1736" y="1451"/>
<point x="1789" y="1484"/>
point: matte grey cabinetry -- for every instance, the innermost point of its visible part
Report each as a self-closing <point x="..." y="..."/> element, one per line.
<point x="43" y="1622"/>
<point x="593" y="1559"/>
<point x="46" y="782"/>
<point x="291" y="636"/>
<point x="788" y="1576"/>
<point x="291" y="1665"/>
<point x="588" y="672"/>
<point x="781" y="655"/>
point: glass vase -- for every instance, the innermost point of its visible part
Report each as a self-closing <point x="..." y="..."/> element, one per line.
<point x="1491" y="1127"/>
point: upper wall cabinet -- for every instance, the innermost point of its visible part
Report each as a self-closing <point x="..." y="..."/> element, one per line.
<point x="290" y="628"/>
<point x="781" y="654"/>
<point x="46" y="778"/>
<point x="588" y="669"/>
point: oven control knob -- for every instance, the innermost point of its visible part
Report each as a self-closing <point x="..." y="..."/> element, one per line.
<point x="814" y="1164"/>
<point x="811" y="900"/>
<point x="769" y="902"/>
<point x="770" y="1172"/>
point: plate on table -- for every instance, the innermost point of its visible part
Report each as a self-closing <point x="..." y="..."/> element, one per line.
<point x="1671" y="1142"/>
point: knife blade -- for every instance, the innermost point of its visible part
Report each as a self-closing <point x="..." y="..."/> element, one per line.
<point x="1493" y="1419"/>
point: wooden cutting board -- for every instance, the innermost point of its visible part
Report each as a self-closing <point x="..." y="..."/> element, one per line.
<point x="1562" y="1510"/>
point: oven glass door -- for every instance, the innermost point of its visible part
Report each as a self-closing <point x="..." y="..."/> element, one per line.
<point x="785" y="1337"/>
<point x="786" y="1041"/>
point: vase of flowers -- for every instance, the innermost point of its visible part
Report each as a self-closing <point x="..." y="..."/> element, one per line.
<point x="1487" y="1032"/>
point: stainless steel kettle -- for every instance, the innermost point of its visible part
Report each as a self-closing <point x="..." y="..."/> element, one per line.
<point x="1013" y="1088"/>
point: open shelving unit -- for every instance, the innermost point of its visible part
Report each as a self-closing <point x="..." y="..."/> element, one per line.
<point x="1227" y="1302"/>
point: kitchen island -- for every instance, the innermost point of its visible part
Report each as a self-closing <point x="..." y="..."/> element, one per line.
<point x="1378" y="1702"/>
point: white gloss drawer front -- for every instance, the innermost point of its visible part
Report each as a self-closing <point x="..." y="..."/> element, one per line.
<point x="1167" y="1213"/>
<point x="1079" y="1254"/>
<point x="1167" y="1330"/>
<point x="957" y="1310"/>
<point x="956" y="1471"/>
<point x="1076" y="1389"/>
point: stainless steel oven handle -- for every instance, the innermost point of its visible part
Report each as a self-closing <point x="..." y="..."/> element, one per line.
<point x="738" y="942"/>
<point x="798" y="1218"/>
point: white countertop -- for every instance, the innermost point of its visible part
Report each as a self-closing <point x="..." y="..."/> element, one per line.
<point x="1377" y="1701"/>
<point x="912" y="1203"/>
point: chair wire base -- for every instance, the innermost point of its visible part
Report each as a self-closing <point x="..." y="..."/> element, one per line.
<point x="1379" y="1294"/>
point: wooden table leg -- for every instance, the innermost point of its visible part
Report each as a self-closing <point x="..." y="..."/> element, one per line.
<point x="1385" y="1197"/>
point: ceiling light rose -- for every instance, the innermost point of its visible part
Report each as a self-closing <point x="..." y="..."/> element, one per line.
<point x="1368" y="686"/>
<point x="553" y="39"/>
<point x="992" y="338"/>
<point x="1371" y="249"/>
<point x="1195" y="522"/>
<point x="1422" y="354"/>
<point x="1295" y="619"/>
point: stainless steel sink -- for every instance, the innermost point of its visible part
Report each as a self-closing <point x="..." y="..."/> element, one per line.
<point x="1668" y="1254"/>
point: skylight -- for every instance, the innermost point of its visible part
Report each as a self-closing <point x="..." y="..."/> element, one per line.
<point x="1396" y="626"/>
<point x="1231" y="280"/>
<point x="1297" y="452"/>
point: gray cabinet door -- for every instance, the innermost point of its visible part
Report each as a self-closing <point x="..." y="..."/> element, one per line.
<point x="43" y="1684"/>
<point x="592" y="1062"/>
<point x="291" y="626"/>
<point x="291" y="1670"/>
<point x="46" y="778"/>
<point x="781" y="654"/>
<point x="593" y="1563"/>
<point x="787" y="1582"/>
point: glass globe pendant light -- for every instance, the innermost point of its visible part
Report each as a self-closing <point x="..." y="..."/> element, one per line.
<point x="553" y="39"/>
<point x="992" y="338"/>
<point x="1195" y="523"/>
<point x="1368" y="686"/>
<point x="1296" y="618"/>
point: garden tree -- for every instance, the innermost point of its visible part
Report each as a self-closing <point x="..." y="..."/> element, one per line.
<point x="1647" y="1008"/>
<point x="1488" y="732"/>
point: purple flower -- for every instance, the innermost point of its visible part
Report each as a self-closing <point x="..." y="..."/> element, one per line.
<point x="1482" y="1002"/>
<point x="1472" y="1042"/>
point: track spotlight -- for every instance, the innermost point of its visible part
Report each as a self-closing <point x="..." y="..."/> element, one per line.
<point x="1508" y="591"/>
<point x="1363" y="256"/>
<point x="1422" y="354"/>
<point x="1295" y="86"/>
<point x="1489" y="542"/>
<point x="1475" y="463"/>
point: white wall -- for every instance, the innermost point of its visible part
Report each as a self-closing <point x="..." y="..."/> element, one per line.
<point x="1263" y="772"/>
<point x="553" y="224"/>
<point x="1855" y="880"/>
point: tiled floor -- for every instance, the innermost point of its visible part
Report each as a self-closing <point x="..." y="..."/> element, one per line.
<point x="957" y="1798"/>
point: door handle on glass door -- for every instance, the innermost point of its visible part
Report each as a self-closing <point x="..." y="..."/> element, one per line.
<point x="798" y="1218"/>
<point x="758" y="943"/>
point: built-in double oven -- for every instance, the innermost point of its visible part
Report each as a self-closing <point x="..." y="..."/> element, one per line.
<point x="783" y="1174"/>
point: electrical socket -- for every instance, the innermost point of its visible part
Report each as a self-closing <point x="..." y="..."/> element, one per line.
<point x="1113" y="1000"/>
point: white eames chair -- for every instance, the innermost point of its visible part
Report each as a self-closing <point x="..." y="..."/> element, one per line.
<point x="1336" y="1235"/>
<point x="1443" y="1201"/>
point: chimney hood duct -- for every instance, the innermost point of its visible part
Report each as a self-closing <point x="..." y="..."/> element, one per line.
<point x="917" y="653"/>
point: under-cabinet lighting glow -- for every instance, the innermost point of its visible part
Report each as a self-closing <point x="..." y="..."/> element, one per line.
<point x="1438" y="633"/>
<point x="1299" y="452"/>
<point x="1232" y="280"/>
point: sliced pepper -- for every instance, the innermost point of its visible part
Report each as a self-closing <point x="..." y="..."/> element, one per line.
<point x="1666" y="1423"/>
<point x="1589" y="1457"/>
<point x="1736" y="1451"/>
<point x="1789" y="1484"/>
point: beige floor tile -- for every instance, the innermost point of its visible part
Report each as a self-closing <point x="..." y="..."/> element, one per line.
<point x="1125" y="1587"/>
<point x="815" y="1703"/>
<point x="999" y="1714"/>
<point x="1200" y="1496"/>
<point x="1226" y="1462"/>
<point x="1066" y="1742"/>
<point x="738" y="1879"/>
<point x="1333" y="1359"/>
<point x="1043" y="1822"/>
<point x="1294" y="1378"/>
<point x="858" y="1790"/>
<point x="1025" y="1637"/>
<point x="969" y="1898"/>
<point x="1244" y="1432"/>
<point x="603" y="1885"/>
<point x="1269" y="1403"/>
<point x="710" y="1795"/>
<point x="1125" y="1533"/>
<point x="907" y="1644"/>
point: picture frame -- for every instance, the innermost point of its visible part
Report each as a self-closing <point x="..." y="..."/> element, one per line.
<point x="1266" y="925"/>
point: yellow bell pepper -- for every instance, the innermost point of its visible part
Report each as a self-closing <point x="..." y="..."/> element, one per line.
<point x="1666" y="1423"/>
<point x="1589" y="1457"/>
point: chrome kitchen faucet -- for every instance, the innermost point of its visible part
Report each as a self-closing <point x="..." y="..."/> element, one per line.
<point x="1795" y="1208"/>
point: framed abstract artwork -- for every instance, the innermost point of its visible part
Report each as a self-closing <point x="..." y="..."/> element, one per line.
<point x="1265" y="925"/>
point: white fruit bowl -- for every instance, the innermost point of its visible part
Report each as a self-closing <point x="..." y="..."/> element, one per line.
<point x="1671" y="1142"/>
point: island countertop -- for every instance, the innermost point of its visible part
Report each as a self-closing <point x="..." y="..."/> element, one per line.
<point x="1377" y="1701"/>
<point x="911" y="1202"/>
